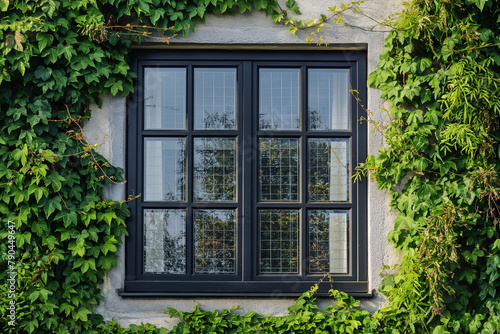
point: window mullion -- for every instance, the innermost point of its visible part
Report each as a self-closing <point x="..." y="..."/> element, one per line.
<point x="247" y="153"/>
<point x="190" y="173"/>
<point x="303" y="172"/>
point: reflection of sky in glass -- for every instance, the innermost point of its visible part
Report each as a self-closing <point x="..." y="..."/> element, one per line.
<point x="165" y="169"/>
<point x="164" y="98"/>
<point x="165" y="241"/>
<point x="279" y="99"/>
<point x="215" y="98"/>
<point x="328" y="99"/>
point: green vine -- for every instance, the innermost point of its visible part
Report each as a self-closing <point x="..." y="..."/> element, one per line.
<point x="440" y="71"/>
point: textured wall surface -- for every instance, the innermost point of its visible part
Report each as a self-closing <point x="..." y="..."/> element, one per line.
<point x="252" y="31"/>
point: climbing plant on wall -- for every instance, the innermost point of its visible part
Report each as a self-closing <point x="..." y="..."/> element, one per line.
<point x="440" y="70"/>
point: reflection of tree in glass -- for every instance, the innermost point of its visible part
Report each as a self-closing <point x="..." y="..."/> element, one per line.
<point x="314" y="119"/>
<point x="219" y="119"/>
<point x="319" y="170"/>
<point x="319" y="259"/>
<point x="215" y="241"/>
<point x="171" y="225"/>
<point x="279" y="169"/>
<point x="215" y="98"/>
<point x="278" y="241"/>
<point x="276" y="122"/>
<point x="215" y="169"/>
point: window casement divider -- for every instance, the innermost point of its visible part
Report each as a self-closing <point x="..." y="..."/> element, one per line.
<point x="248" y="155"/>
<point x="252" y="214"/>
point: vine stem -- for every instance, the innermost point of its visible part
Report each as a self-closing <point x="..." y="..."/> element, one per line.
<point x="86" y="143"/>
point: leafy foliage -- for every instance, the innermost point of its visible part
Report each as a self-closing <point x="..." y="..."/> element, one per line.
<point x="440" y="71"/>
<point x="303" y="317"/>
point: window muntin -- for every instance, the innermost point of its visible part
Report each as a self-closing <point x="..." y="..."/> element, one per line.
<point x="284" y="180"/>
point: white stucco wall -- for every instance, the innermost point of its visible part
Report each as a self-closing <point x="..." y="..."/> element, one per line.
<point x="252" y="31"/>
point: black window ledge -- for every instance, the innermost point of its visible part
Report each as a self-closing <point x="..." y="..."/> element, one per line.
<point x="239" y="289"/>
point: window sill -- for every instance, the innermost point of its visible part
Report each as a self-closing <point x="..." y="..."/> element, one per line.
<point x="125" y="294"/>
<point x="239" y="289"/>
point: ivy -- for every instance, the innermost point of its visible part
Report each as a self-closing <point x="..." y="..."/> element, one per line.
<point x="440" y="71"/>
<point x="342" y="316"/>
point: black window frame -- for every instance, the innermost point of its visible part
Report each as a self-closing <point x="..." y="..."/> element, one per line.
<point x="247" y="282"/>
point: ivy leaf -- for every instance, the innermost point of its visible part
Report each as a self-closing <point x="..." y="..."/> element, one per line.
<point x="157" y="14"/>
<point x="52" y="205"/>
<point x="19" y="197"/>
<point x="107" y="216"/>
<point x="82" y="314"/>
<point x="468" y="274"/>
<point x="50" y="241"/>
<point x="143" y="5"/>
<point x="18" y="37"/>
<point x="68" y="52"/>
<point x="43" y="72"/>
<point x="21" y="154"/>
<point x="260" y="4"/>
<point x="292" y="5"/>
<point x="201" y="11"/>
<point x="55" y="180"/>
<point x="70" y="219"/>
<point x="4" y="4"/>
<point x="480" y="4"/>
<point x="244" y="6"/>
<point x="43" y="40"/>
<point x="440" y="330"/>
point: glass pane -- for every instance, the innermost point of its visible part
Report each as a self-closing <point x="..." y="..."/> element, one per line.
<point x="215" y="98"/>
<point x="215" y="169"/>
<point x="279" y="99"/>
<point x="328" y="170"/>
<point x="328" y="241"/>
<point x="165" y="98"/>
<point x="165" y="241"/>
<point x="328" y="99"/>
<point x="215" y="241"/>
<point x="279" y="169"/>
<point x="279" y="241"/>
<point x="164" y="169"/>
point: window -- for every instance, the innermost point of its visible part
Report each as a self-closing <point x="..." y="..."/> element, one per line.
<point x="243" y="162"/>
